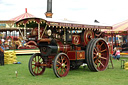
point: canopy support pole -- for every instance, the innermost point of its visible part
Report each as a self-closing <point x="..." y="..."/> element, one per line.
<point x="112" y="45"/>
<point x="65" y="35"/>
<point x="44" y="31"/>
<point x="38" y="31"/>
<point x="25" y="32"/>
<point x="21" y="33"/>
<point x="115" y="41"/>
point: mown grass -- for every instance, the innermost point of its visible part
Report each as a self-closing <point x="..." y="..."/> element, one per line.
<point x="82" y="76"/>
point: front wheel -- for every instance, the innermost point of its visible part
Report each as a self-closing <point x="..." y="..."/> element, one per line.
<point x="61" y="65"/>
<point x="35" y="64"/>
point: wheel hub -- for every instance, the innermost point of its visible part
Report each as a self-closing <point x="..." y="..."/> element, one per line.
<point x="98" y="55"/>
<point x="37" y="64"/>
<point x="63" y="65"/>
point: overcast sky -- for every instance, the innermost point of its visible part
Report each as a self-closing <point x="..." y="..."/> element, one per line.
<point x="105" y="11"/>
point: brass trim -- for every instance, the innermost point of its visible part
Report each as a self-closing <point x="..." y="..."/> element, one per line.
<point x="44" y="31"/>
<point x="58" y="47"/>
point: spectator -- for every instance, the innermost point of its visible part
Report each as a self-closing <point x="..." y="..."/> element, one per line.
<point x="117" y="54"/>
<point x="114" y="52"/>
<point x="1" y="54"/>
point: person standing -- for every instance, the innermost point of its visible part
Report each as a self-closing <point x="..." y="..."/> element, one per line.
<point x="1" y="54"/>
<point x="117" y="54"/>
<point x="114" y="52"/>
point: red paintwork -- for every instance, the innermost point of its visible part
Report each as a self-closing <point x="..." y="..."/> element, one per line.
<point x="63" y="48"/>
<point x="86" y="37"/>
<point x="76" y="39"/>
<point x="71" y="55"/>
<point x="49" y="62"/>
<point x="76" y="55"/>
<point x="80" y="55"/>
<point x="0" y="42"/>
<point x="77" y="48"/>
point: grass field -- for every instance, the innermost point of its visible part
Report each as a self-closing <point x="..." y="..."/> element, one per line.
<point x="82" y="76"/>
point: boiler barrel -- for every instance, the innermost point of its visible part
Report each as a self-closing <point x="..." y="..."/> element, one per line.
<point x="53" y="48"/>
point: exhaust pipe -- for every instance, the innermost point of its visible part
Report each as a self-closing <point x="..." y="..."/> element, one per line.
<point x="49" y="13"/>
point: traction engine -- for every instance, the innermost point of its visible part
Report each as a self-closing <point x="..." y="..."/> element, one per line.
<point x="66" y="46"/>
<point x="67" y="50"/>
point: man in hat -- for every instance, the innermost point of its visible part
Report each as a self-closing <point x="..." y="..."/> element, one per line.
<point x="1" y="54"/>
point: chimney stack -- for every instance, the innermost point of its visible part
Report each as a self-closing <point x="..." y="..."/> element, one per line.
<point x="49" y="13"/>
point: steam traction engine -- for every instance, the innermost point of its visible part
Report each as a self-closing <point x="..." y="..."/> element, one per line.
<point x="66" y="46"/>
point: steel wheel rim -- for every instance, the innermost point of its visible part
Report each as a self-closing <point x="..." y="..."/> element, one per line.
<point x="89" y="56"/>
<point x="100" y="55"/>
<point x="35" y="65"/>
<point x="61" y="65"/>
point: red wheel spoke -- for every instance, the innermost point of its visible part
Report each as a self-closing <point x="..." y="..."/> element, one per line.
<point x="34" y="60"/>
<point x="94" y="57"/>
<point x="57" y="65"/>
<point x="98" y="46"/>
<point x="101" y="44"/>
<point x="62" y="59"/>
<point x="39" y="58"/>
<point x="96" y="61"/>
<point x="34" y="69"/>
<point x="65" y="62"/>
<point x="58" y="62"/>
<point x="94" y="53"/>
<point x="65" y="69"/>
<point x="103" y="50"/>
<point x="62" y="71"/>
<point x="101" y="63"/>
<point x="58" y="68"/>
<point x="58" y="59"/>
<point x="59" y="71"/>
<point x="103" y="58"/>
<point x="39" y="69"/>
<point x="95" y="50"/>
<point x="98" y="65"/>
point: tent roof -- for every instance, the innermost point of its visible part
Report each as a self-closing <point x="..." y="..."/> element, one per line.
<point x="119" y="29"/>
<point x="22" y="16"/>
<point x="123" y="26"/>
<point x="62" y="23"/>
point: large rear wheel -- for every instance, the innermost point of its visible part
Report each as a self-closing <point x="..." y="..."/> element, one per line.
<point x="35" y="67"/>
<point x="97" y="54"/>
<point x="61" y="65"/>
